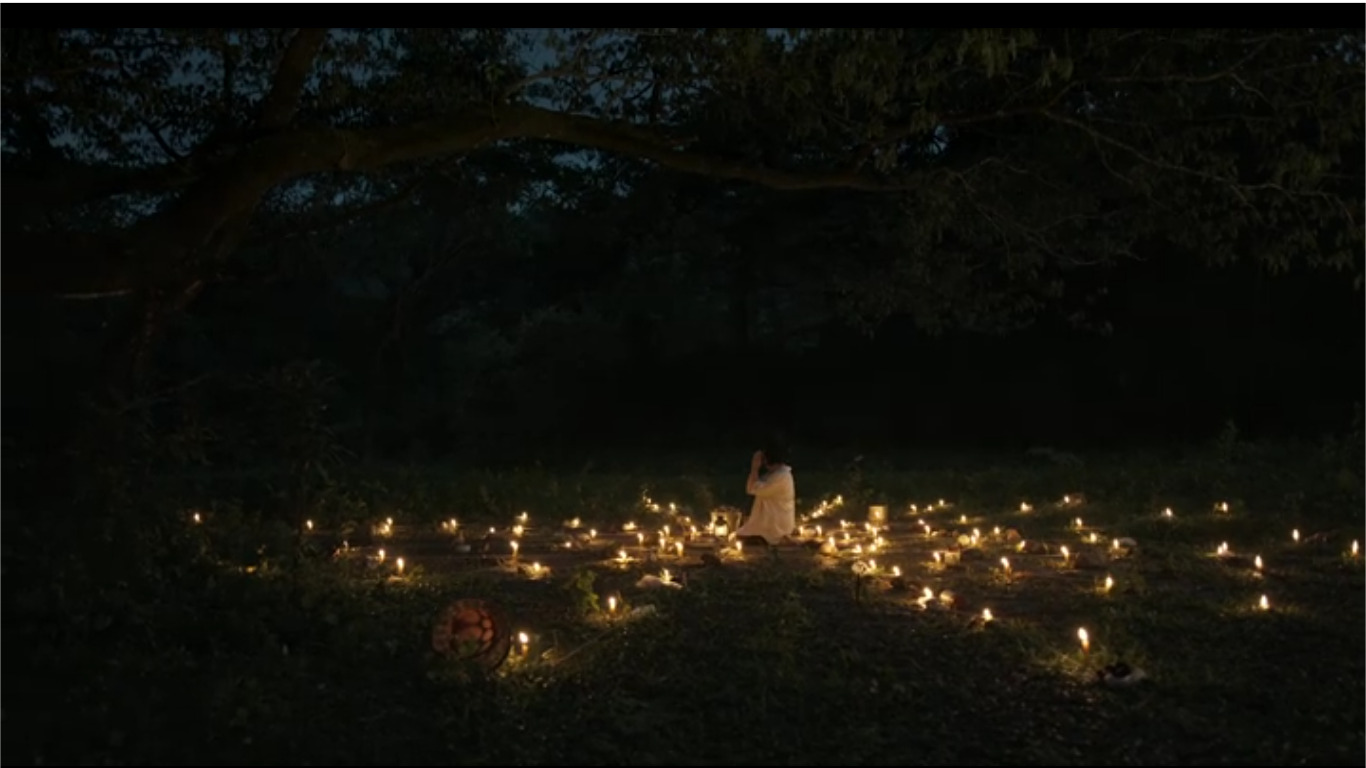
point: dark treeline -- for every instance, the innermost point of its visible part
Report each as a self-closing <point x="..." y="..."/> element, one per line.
<point x="462" y="245"/>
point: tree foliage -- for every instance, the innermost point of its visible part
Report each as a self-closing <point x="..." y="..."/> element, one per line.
<point x="987" y="155"/>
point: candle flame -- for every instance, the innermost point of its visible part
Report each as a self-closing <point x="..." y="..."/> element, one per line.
<point x="678" y="547"/>
<point x="515" y="546"/>
<point x="1167" y="512"/>
<point x="308" y="524"/>
<point x="518" y="530"/>
<point x="739" y="547"/>
<point x="896" y="570"/>
<point x="381" y="555"/>
<point x="996" y="531"/>
<point x="1005" y="565"/>
<point x="1264" y="604"/>
<point x="929" y="593"/>
<point x="986" y="615"/>
<point x="1093" y="537"/>
<point x="1024" y="507"/>
<point x="1065" y="553"/>
<point x="622" y="556"/>
<point x="1021" y="546"/>
<point x="1079" y="525"/>
<point x="612" y="604"/>
<point x="1066" y="499"/>
<point x="522" y="638"/>
<point x="1295" y="535"/>
<point x="197" y="518"/>
<point x="389" y="521"/>
<point x="1085" y="639"/>
<point x="1257" y="562"/>
<point x="535" y="567"/>
<point x="398" y="564"/>
<point x="939" y="557"/>
<point x="1109" y="583"/>
<point x="963" y="519"/>
<point x="592" y="533"/>
<point x="1223" y="548"/>
<point x="1356" y="548"/>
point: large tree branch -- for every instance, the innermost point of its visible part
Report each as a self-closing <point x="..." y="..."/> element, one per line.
<point x="162" y="246"/>
<point x="279" y="106"/>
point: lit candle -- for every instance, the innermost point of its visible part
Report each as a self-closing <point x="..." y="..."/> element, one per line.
<point x="640" y="539"/>
<point x="518" y="530"/>
<point x="622" y="556"/>
<point x="515" y="546"/>
<point x="398" y="565"/>
<point x="976" y="533"/>
<point x="523" y="518"/>
<point x="536" y="569"/>
<point x="872" y="566"/>
<point x="928" y="593"/>
<point x="1264" y="604"/>
<point x="1114" y="544"/>
<point x="454" y="524"/>
<point x="664" y="575"/>
<point x="1005" y="564"/>
<point x="1024" y="507"/>
<point x="308" y="524"/>
<point x="592" y="533"/>
<point x="1093" y="536"/>
<point x="673" y="507"/>
<point x="1021" y="546"/>
<point x="678" y="547"/>
<point x="819" y="531"/>
<point x="389" y="521"/>
<point x="381" y="555"/>
<point x="739" y="547"/>
<point x="1222" y="506"/>
<point x="1356" y="548"/>
<point x="1223" y="549"/>
<point x="1065" y="554"/>
<point x="524" y="641"/>
<point x="630" y="526"/>
<point x="1066" y="499"/>
<point x="665" y="529"/>
<point x="1085" y="640"/>
<point x="896" y="570"/>
<point x="941" y="502"/>
<point x="197" y="518"/>
<point x="1167" y="512"/>
<point x="1257" y="562"/>
<point x="928" y="532"/>
<point x="986" y="616"/>
<point x="1079" y="525"/>
<point x="996" y="531"/>
<point x="939" y="557"/>
<point x="1295" y="535"/>
<point x="612" y="604"/>
<point x="963" y="519"/>
<point x="1109" y="583"/>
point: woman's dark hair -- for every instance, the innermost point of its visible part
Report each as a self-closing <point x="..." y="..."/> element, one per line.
<point x="775" y="452"/>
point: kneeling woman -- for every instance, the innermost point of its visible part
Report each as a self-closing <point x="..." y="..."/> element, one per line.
<point x="774" y="515"/>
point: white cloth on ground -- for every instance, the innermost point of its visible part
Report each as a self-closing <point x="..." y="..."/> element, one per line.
<point x="774" y="514"/>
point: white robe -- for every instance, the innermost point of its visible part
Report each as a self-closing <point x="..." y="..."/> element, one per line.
<point x="774" y="514"/>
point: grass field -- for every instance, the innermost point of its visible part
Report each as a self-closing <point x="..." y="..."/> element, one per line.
<point x="241" y="640"/>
